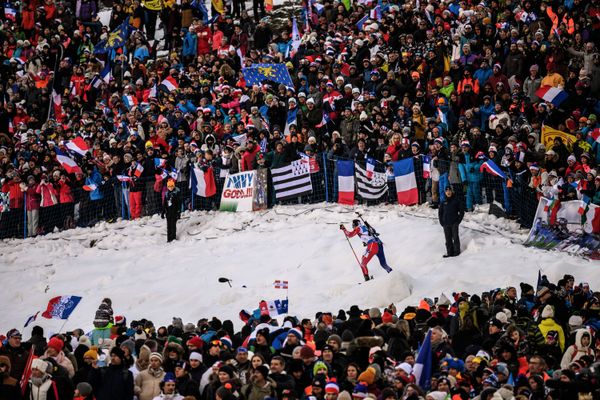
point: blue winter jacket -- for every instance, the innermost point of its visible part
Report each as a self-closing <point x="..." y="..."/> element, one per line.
<point x="469" y="171"/>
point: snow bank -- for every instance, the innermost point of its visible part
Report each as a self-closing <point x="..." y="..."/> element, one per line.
<point x="131" y="263"/>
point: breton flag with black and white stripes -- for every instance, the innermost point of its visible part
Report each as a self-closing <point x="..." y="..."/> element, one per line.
<point x="370" y="189"/>
<point x="293" y="180"/>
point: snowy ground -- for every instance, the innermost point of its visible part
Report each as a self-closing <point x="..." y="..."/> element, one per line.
<point x="146" y="277"/>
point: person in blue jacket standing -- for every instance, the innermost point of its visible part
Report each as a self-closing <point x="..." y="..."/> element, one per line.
<point x="469" y="172"/>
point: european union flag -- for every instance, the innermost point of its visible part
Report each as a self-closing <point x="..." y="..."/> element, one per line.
<point x="116" y="38"/>
<point x="258" y="73"/>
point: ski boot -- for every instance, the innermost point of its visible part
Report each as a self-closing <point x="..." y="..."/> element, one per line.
<point x="367" y="278"/>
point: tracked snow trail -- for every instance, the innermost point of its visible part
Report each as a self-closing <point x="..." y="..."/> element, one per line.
<point x="146" y="277"/>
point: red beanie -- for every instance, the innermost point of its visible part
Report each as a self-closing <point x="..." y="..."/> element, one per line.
<point x="196" y="341"/>
<point x="387" y="317"/>
<point x="56" y="343"/>
<point x="306" y="352"/>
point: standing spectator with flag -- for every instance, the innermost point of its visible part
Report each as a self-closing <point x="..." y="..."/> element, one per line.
<point x="172" y="209"/>
<point x="450" y="214"/>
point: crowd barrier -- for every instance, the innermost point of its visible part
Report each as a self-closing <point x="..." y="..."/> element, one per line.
<point x="516" y="200"/>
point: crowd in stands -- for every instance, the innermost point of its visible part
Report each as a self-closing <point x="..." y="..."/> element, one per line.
<point x="457" y="81"/>
<point x="540" y="344"/>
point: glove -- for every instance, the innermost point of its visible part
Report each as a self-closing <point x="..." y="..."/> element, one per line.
<point x="162" y="216"/>
<point x="364" y="244"/>
<point x="342" y="227"/>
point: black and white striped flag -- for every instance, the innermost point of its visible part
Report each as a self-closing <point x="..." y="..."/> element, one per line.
<point x="370" y="189"/>
<point x="293" y="180"/>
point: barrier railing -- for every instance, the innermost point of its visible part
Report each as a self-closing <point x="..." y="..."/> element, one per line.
<point x="26" y="217"/>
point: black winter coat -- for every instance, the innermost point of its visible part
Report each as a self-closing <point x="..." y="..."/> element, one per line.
<point x="112" y="383"/>
<point x="172" y="203"/>
<point x="451" y="211"/>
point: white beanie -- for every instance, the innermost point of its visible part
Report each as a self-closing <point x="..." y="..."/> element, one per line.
<point x="548" y="312"/>
<point x="502" y="317"/>
<point x="40" y="365"/>
<point x="575" y="321"/>
<point x="196" y="356"/>
<point x="406" y="367"/>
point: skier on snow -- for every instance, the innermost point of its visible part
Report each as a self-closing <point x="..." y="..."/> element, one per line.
<point x="372" y="243"/>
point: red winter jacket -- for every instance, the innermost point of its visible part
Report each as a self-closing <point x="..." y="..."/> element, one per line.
<point x="248" y="158"/>
<point x="204" y="36"/>
<point x="32" y="201"/>
<point x="48" y="193"/>
<point x="573" y="169"/>
<point x="15" y="194"/>
<point x="65" y="194"/>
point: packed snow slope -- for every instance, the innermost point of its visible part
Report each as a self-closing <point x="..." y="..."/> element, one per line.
<point x="130" y="262"/>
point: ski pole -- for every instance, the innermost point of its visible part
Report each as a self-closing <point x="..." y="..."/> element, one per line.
<point x="353" y="252"/>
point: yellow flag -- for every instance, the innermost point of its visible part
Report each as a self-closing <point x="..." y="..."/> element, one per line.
<point x="549" y="134"/>
<point x="154" y="5"/>
<point x="219" y="6"/>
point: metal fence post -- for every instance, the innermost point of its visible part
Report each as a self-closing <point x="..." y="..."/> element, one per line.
<point x="325" y="172"/>
<point x="24" y="215"/>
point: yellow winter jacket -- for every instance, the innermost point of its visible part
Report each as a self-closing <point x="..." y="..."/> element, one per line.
<point x="548" y="325"/>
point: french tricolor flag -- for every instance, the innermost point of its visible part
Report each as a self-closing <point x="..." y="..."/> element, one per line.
<point x="170" y="83"/>
<point x="423" y="367"/>
<point x="406" y="182"/>
<point x="426" y="167"/>
<point x="149" y="94"/>
<point x="106" y="74"/>
<point x="10" y="13"/>
<point x="78" y="145"/>
<point x="67" y="162"/>
<point x="90" y="188"/>
<point x="163" y="175"/>
<point x="138" y="170"/>
<point x="130" y="101"/>
<point x="345" y="171"/>
<point x="202" y="183"/>
<point x="370" y="168"/>
<point x="160" y="162"/>
<point x="551" y="94"/>
<point x="492" y="168"/>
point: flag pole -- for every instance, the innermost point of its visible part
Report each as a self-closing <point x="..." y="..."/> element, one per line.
<point x="63" y="325"/>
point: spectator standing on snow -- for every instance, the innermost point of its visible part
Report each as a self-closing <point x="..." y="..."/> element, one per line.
<point x="450" y="214"/>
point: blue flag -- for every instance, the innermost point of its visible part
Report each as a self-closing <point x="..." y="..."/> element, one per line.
<point x="116" y="38"/>
<point x="258" y="73"/>
<point x="423" y="368"/>
<point x="362" y="21"/>
<point x="200" y="6"/>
